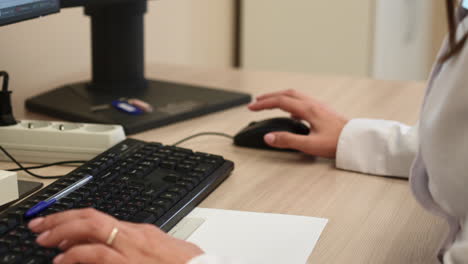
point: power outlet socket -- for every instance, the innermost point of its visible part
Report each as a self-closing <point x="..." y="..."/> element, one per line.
<point x="38" y="141"/>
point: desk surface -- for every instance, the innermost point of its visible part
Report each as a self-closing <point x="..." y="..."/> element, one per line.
<point x="372" y="219"/>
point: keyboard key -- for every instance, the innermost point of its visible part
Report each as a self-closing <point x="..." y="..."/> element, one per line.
<point x="3" y="248"/>
<point x="99" y="165"/>
<point x="184" y="167"/>
<point x="157" y="211"/>
<point x="10" y="221"/>
<point x="131" y="210"/>
<point x="10" y="241"/>
<point x="121" y="215"/>
<point x="179" y="149"/>
<point x="67" y="203"/>
<point x="151" y="192"/>
<point x="158" y="155"/>
<point x="178" y="190"/>
<point x="192" y="180"/>
<point x="144" y="217"/>
<point x="3" y="229"/>
<point x="46" y="252"/>
<point x="175" y="159"/>
<point x="168" y="165"/>
<point x="197" y="175"/>
<point x="35" y="260"/>
<point x="10" y="258"/>
<point x="165" y="150"/>
<point x="195" y="158"/>
<point x="185" y="184"/>
<point x="90" y="170"/>
<point x="173" y="197"/>
<point x="24" y="250"/>
<point x="190" y="162"/>
<point x="172" y="177"/>
<point x="107" y="208"/>
<point x="107" y="161"/>
<point x="19" y="234"/>
<point x="163" y="203"/>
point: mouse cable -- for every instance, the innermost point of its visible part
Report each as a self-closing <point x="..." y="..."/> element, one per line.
<point x="26" y="169"/>
<point x="202" y="134"/>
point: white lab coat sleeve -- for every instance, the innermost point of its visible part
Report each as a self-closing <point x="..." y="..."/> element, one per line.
<point x="210" y="259"/>
<point x="379" y="147"/>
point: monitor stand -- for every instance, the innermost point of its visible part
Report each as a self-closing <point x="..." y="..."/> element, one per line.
<point x="118" y="72"/>
<point x="172" y="102"/>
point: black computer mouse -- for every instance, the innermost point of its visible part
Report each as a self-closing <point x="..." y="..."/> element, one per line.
<point x="252" y="135"/>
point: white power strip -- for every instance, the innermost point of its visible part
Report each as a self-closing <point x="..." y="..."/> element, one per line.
<point x="46" y="141"/>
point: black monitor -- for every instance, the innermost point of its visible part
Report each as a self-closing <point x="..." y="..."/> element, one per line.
<point x="118" y="76"/>
<point x="12" y="11"/>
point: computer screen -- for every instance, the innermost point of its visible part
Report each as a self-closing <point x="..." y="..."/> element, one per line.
<point x="12" y="11"/>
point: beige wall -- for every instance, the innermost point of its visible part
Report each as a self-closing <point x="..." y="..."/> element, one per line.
<point x="194" y="32"/>
<point x="308" y="36"/>
<point x="319" y="36"/>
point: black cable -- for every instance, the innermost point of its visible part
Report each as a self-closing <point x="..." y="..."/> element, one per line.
<point x="202" y="134"/>
<point x="6" y="111"/>
<point x="6" y="78"/>
<point x="50" y="165"/>
<point x="25" y="169"/>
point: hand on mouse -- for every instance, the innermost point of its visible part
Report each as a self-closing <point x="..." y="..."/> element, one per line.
<point x="84" y="237"/>
<point x="325" y="124"/>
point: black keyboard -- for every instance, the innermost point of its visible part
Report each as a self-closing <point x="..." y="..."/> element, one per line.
<point x="133" y="181"/>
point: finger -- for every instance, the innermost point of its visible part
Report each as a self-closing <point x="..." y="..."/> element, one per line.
<point x="312" y="144"/>
<point x="90" y="253"/>
<point x="66" y="244"/>
<point x="286" y="140"/>
<point x="291" y="105"/>
<point x="95" y="229"/>
<point x="41" y="224"/>
<point x="296" y="117"/>
<point x="291" y="93"/>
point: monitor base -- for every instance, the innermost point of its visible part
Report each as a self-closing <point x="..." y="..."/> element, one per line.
<point x="172" y="102"/>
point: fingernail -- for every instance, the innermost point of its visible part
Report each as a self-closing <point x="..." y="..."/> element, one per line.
<point x="42" y="237"/>
<point x="63" y="244"/>
<point x="36" y="222"/>
<point x="270" y="138"/>
<point x="58" y="258"/>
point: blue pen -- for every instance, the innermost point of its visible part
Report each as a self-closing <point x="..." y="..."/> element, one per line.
<point x="42" y="205"/>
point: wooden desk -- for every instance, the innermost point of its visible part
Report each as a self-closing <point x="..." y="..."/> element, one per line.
<point x="372" y="219"/>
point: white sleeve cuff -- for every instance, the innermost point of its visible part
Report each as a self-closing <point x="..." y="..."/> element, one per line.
<point x="209" y="259"/>
<point x="378" y="147"/>
<point x="458" y="252"/>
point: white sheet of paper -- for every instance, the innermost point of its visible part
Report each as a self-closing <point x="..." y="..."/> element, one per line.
<point x="256" y="238"/>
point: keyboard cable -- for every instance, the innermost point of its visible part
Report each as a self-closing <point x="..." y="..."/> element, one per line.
<point x="27" y="169"/>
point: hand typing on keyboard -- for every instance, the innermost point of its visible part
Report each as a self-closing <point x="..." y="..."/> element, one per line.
<point x="89" y="236"/>
<point x="134" y="181"/>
